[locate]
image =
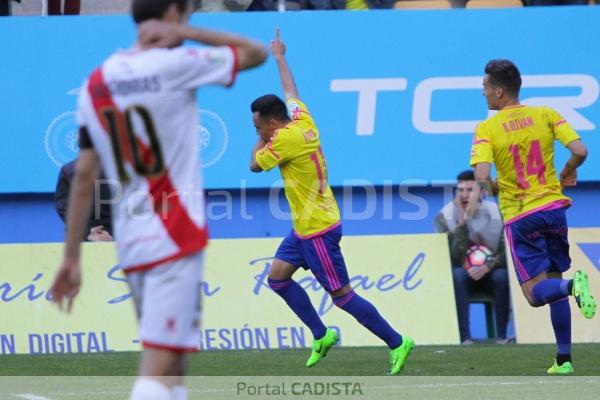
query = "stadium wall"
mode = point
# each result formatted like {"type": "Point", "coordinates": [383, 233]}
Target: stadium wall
{"type": "Point", "coordinates": [257, 213]}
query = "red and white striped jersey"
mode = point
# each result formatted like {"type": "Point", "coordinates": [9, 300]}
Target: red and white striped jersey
{"type": "Point", "coordinates": [140, 113]}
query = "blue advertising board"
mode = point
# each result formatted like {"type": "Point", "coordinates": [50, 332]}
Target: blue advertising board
{"type": "Point", "coordinates": [396, 94]}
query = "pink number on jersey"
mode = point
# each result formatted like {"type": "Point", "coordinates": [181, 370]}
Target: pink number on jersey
{"type": "Point", "coordinates": [315, 159]}
{"type": "Point", "coordinates": [535, 162]}
{"type": "Point", "coordinates": [521, 181]}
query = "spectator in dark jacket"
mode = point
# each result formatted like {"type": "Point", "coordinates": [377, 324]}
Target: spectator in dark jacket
{"type": "Point", "coordinates": [72, 7]}
{"type": "Point", "coordinates": [100, 223]}
{"type": "Point", "coordinates": [555, 2]}
{"type": "Point", "coordinates": [5, 7]}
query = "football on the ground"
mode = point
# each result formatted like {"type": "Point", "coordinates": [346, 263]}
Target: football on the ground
{"type": "Point", "coordinates": [477, 255]}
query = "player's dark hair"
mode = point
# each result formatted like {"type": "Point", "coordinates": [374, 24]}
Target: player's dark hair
{"type": "Point", "coordinates": [270, 106]}
{"type": "Point", "coordinates": [143, 10]}
{"type": "Point", "coordinates": [467, 175]}
{"type": "Point", "coordinates": [505, 74]}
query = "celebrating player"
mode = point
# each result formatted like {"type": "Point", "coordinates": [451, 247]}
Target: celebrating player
{"type": "Point", "coordinates": [138, 119]}
{"type": "Point", "coordinates": [519, 140]}
{"type": "Point", "coordinates": [293, 144]}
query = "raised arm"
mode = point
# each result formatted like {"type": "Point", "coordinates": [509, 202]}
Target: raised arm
{"type": "Point", "coordinates": [285, 74]}
{"type": "Point", "coordinates": [156, 33]}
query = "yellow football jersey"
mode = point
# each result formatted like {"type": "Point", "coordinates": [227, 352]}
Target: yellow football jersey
{"type": "Point", "coordinates": [296, 149]}
{"type": "Point", "coordinates": [519, 140]}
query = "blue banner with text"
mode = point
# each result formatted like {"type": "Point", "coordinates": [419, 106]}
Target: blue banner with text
{"type": "Point", "coordinates": [396, 95]}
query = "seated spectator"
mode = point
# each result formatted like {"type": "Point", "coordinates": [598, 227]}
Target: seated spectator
{"type": "Point", "coordinates": [297, 5]}
{"type": "Point", "coordinates": [221, 5]}
{"type": "Point", "coordinates": [71, 7]}
{"type": "Point", "coordinates": [555, 2]}
{"type": "Point", "coordinates": [5, 7]}
{"type": "Point", "coordinates": [483, 228]}
{"type": "Point", "coordinates": [100, 223]}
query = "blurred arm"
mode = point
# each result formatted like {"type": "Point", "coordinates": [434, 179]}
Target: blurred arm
{"type": "Point", "coordinates": [250, 53]}
{"type": "Point", "coordinates": [80, 201]}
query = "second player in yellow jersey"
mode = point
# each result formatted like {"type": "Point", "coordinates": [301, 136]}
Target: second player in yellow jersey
{"type": "Point", "coordinates": [520, 141]}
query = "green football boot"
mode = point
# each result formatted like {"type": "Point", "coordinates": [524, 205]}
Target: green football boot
{"type": "Point", "coordinates": [321, 347]}
{"type": "Point", "coordinates": [399, 355]}
{"type": "Point", "coordinates": [581, 292]}
{"type": "Point", "coordinates": [565, 369]}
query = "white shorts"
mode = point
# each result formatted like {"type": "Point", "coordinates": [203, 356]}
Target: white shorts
{"type": "Point", "coordinates": [168, 304]}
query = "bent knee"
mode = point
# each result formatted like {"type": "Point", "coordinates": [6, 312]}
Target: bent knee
{"type": "Point", "coordinates": [532, 302]}
{"type": "Point", "coordinates": [340, 292]}
{"type": "Point", "coordinates": [281, 270]}
{"type": "Point", "coordinates": [278, 284]}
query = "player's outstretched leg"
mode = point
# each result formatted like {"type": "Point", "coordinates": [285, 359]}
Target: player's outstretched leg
{"type": "Point", "coordinates": [368, 316]}
{"type": "Point", "coordinates": [297, 299]}
{"type": "Point", "coordinates": [321, 347]}
{"type": "Point", "coordinates": [581, 292]}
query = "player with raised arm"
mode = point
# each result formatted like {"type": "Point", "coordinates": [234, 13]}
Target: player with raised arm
{"type": "Point", "coordinates": [294, 145]}
{"type": "Point", "coordinates": [519, 140]}
{"type": "Point", "coordinates": [138, 120]}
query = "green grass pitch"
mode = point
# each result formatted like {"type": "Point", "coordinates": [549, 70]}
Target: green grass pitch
{"type": "Point", "coordinates": [484, 371]}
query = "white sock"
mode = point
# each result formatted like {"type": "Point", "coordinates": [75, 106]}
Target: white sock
{"type": "Point", "coordinates": [149, 389]}
{"type": "Point", "coordinates": [179, 393]}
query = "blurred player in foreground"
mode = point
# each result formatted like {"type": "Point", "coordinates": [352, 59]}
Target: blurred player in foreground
{"type": "Point", "coordinates": [138, 119]}
{"type": "Point", "coordinates": [293, 144]}
{"type": "Point", "coordinates": [519, 140]}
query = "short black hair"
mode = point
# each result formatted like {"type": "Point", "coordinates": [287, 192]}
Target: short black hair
{"type": "Point", "coordinates": [505, 74]}
{"type": "Point", "coordinates": [270, 106]}
{"type": "Point", "coordinates": [143, 10]}
{"type": "Point", "coordinates": [467, 175]}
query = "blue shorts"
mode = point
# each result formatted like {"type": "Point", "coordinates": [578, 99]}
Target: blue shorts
{"type": "Point", "coordinates": [321, 254]}
{"type": "Point", "coordinates": [538, 243]}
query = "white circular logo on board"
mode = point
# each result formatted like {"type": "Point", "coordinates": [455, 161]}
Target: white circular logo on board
{"type": "Point", "coordinates": [213, 138]}
{"type": "Point", "coordinates": [61, 140]}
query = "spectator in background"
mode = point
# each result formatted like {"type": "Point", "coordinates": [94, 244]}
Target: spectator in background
{"type": "Point", "coordinates": [555, 2]}
{"type": "Point", "coordinates": [483, 228]}
{"type": "Point", "coordinates": [297, 5]}
{"type": "Point", "coordinates": [100, 223]}
{"type": "Point", "coordinates": [458, 3]}
{"type": "Point", "coordinates": [5, 7]}
{"type": "Point", "coordinates": [369, 4]}
{"type": "Point", "coordinates": [221, 5]}
{"type": "Point", "coordinates": [71, 7]}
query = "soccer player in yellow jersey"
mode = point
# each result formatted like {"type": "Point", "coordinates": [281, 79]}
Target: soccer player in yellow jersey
{"type": "Point", "coordinates": [519, 140]}
{"type": "Point", "coordinates": [292, 142]}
